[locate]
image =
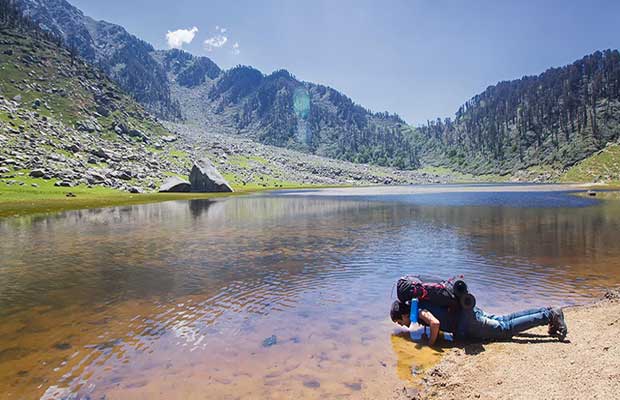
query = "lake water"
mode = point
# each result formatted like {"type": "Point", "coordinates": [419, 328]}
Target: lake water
{"type": "Point", "coordinates": [275, 295]}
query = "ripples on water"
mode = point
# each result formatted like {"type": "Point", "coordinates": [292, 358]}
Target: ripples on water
{"type": "Point", "coordinates": [171, 300]}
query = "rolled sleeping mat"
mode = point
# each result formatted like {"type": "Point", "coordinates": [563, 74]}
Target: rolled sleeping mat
{"type": "Point", "coordinates": [460, 288]}
{"type": "Point", "coordinates": [468, 301]}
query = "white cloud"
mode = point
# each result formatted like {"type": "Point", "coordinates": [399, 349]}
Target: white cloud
{"type": "Point", "coordinates": [235, 49]}
{"type": "Point", "coordinates": [215, 42]}
{"type": "Point", "coordinates": [177, 38]}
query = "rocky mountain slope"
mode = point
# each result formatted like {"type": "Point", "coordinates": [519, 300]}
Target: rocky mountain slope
{"type": "Point", "coordinates": [278, 109]}
{"type": "Point", "coordinates": [274, 109]}
{"type": "Point", "coordinates": [62, 120]}
{"type": "Point", "coordinates": [535, 126]}
{"type": "Point", "coordinates": [123, 57]}
{"type": "Point", "coordinates": [554, 119]}
{"type": "Point", "coordinates": [250, 165]}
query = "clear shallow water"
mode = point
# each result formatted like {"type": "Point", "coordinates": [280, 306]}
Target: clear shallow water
{"type": "Point", "coordinates": [181, 299]}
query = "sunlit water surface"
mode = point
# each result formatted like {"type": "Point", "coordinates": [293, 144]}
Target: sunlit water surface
{"type": "Point", "coordinates": [273, 296]}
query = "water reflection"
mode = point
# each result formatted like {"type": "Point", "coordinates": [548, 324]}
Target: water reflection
{"type": "Point", "coordinates": [176, 298]}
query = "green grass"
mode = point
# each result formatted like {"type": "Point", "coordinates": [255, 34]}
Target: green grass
{"type": "Point", "coordinates": [68, 109]}
{"type": "Point", "coordinates": [245, 161]}
{"type": "Point", "coordinates": [603, 166]}
{"type": "Point", "coordinates": [179, 154]}
{"type": "Point", "coordinates": [460, 177]}
{"type": "Point", "coordinates": [18, 200]}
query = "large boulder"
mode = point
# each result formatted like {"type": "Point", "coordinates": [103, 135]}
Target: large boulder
{"type": "Point", "coordinates": [205, 178]}
{"type": "Point", "coordinates": [175, 185]}
{"type": "Point", "coordinates": [37, 173]}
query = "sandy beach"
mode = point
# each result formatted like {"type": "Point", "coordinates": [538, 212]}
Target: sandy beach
{"type": "Point", "coordinates": [534, 365]}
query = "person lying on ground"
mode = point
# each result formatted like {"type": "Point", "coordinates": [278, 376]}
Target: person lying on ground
{"type": "Point", "coordinates": [475, 324]}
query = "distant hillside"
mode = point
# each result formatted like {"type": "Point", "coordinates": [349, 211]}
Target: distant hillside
{"type": "Point", "coordinates": [278, 109]}
{"type": "Point", "coordinates": [601, 167]}
{"type": "Point", "coordinates": [274, 109]}
{"type": "Point", "coordinates": [122, 56]}
{"type": "Point", "coordinates": [550, 121]}
{"type": "Point", "coordinates": [68, 122]}
{"type": "Point", "coordinates": [554, 119]}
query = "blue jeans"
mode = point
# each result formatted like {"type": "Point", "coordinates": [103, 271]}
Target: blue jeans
{"type": "Point", "coordinates": [476, 324]}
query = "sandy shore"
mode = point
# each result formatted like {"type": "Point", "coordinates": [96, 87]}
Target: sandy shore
{"type": "Point", "coordinates": [534, 365]}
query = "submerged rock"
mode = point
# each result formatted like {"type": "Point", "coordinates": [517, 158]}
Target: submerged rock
{"type": "Point", "coordinates": [204, 177]}
{"type": "Point", "coordinates": [312, 384]}
{"type": "Point", "coordinates": [270, 341]}
{"type": "Point", "coordinates": [62, 346]}
{"type": "Point", "coordinates": [175, 185]}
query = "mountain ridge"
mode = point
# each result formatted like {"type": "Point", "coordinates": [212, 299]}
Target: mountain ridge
{"type": "Point", "coordinates": [122, 56]}
{"type": "Point", "coordinates": [330, 124]}
{"type": "Point", "coordinates": [555, 119]}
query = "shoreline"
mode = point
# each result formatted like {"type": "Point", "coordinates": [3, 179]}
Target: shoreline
{"type": "Point", "coordinates": [32, 203]}
{"type": "Point", "coordinates": [57, 201]}
{"type": "Point", "coordinates": [534, 365]}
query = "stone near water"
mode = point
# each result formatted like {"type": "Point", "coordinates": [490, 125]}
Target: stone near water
{"type": "Point", "coordinates": [312, 384]}
{"type": "Point", "coordinates": [93, 177]}
{"type": "Point", "coordinates": [37, 173]}
{"type": "Point", "coordinates": [204, 177]}
{"type": "Point", "coordinates": [355, 386]}
{"type": "Point", "coordinates": [270, 341]}
{"type": "Point", "coordinates": [175, 185]}
{"type": "Point", "coordinates": [62, 346]}
{"type": "Point", "coordinates": [62, 184]}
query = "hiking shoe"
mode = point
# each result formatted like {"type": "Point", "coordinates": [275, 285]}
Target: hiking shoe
{"type": "Point", "coordinates": [557, 325]}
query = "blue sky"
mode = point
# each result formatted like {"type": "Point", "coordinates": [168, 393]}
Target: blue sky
{"type": "Point", "coordinates": [420, 59]}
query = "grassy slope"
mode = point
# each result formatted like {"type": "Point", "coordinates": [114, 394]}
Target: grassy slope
{"type": "Point", "coordinates": [460, 177]}
{"type": "Point", "coordinates": [603, 166]}
{"type": "Point", "coordinates": [73, 99]}
{"type": "Point", "coordinates": [18, 200]}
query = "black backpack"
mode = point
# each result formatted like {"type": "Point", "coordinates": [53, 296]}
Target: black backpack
{"type": "Point", "coordinates": [451, 293]}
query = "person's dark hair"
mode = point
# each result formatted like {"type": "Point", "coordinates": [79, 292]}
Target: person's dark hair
{"type": "Point", "coordinates": [398, 310]}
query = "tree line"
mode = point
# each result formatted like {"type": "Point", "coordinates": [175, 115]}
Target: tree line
{"type": "Point", "coordinates": [558, 117]}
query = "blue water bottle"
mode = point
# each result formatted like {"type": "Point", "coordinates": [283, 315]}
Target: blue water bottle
{"type": "Point", "coordinates": [413, 315]}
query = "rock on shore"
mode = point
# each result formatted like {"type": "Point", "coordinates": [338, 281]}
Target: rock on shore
{"type": "Point", "coordinates": [175, 185]}
{"type": "Point", "coordinates": [204, 178]}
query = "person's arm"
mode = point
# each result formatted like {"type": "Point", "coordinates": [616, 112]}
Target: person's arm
{"type": "Point", "coordinates": [432, 322]}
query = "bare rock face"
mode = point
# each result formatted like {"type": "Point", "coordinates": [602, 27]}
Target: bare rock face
{"type": "Point", "coordinates": [175, 185]}
{"type": "Point", "coordinates": [205, 178]}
